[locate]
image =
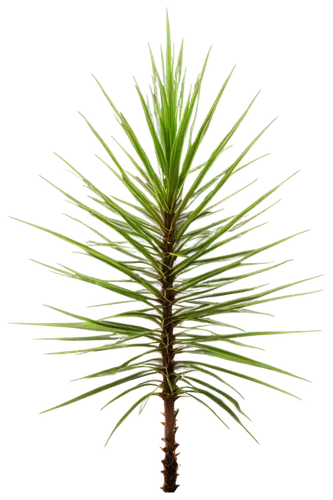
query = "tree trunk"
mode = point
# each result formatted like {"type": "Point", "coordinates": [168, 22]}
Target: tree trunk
{"type": "Point", "coordinates": [169, 388]}
{"type": "Point", "coordinates": [170, 445]}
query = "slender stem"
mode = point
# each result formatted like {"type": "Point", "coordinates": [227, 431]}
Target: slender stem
{"type": "Point", "coordinates": [169, 387]}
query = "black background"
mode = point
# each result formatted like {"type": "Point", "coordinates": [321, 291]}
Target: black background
{"type": "Point", "coordinates": [49, 73]}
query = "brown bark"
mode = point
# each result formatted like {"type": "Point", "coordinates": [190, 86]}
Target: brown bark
{"type": "Point", "coordinates": [169, 388]}
{"type": "Point", "coordinates": [170, 461]}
